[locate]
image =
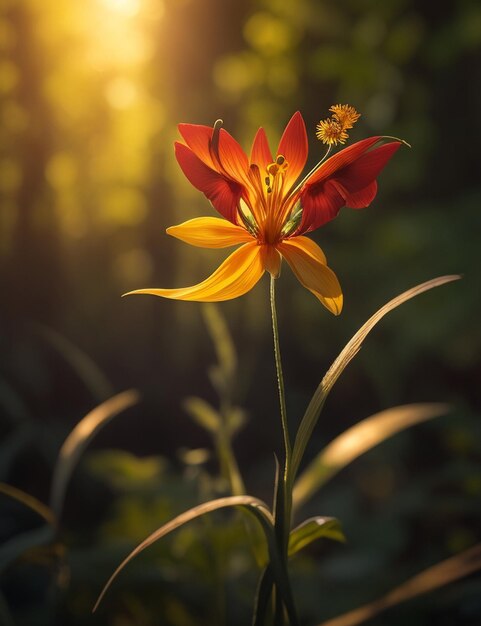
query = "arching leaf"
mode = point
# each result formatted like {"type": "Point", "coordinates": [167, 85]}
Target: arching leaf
{"type": "Point", "coordinates": [357, 440]}
{"type": "Point", "coordinates": [78, 440]}
{"type": "Point", "coordinates": [348, 353]}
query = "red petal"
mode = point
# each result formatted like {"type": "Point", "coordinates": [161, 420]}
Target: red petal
{"type": "Point", "coordinates": [223, 193]}
{"type": "Point", "coordinates": [293, 146]}
{"type": "Point", "coordinates": [198, 138]}
{"type": "Point", "coordinates": [319, 206]}
{"type": "Point", "coordinates": [261, 154]}
{"type": "Point", "coordinates": [363, 171]}
{"type": "Point", "coordinates": [342, 159]}
{"type": "Point", "coordinates": [350, 180]}
{"type": "Point", "coordinates": [362, 199]}
{"type": "Point", "coordinates": [232, 158]}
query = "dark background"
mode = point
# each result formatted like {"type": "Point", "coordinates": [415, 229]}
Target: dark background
{"type": "Point", "coordinates": [91, 93]}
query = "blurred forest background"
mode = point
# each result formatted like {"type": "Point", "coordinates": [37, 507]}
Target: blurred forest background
{"type": "Point", "coordinates": [91, 92]}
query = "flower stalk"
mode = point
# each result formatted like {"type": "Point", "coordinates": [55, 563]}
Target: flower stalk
{"type": "Point", "coordinates": [283, 491]}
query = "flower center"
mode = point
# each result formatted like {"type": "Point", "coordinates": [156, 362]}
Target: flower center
{"type": "Point", "coordinates": [279, 166]}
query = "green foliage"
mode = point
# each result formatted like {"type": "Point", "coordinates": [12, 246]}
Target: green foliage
{"type": "Point", "coordinates": [312, 529]}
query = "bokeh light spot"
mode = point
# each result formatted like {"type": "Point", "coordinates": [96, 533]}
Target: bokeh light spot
{"type": "Point", "coordinates": [268, 34]}
{"type": "Point", "coordinates": [123, 207]}
{"type": "Point", "coordinates": [121, 93]}
{"type": "Point", "coordinates": [128, 8]}
{"type": "Point", "coordinates": [237, 73]}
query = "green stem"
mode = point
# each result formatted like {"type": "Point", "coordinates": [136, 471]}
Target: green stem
{"type": "Point", "coordinates": [280, 378]}
{"type": "Point", "coordinates": [283, 492]}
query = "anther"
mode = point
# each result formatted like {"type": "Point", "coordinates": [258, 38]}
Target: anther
{"type": "Point", "coordinates": [272, 169]}
{"type": "Point", "coordinates": [280, 159]}
{"type": "Point", "coordinates": [269, 189]}
{"type": "Point", "coordinates": [267, 180]}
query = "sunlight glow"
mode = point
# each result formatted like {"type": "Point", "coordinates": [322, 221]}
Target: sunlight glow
{"type": "Point", "coordinates": [128, 8]}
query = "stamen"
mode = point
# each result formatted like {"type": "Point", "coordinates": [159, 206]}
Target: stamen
{"type": "Point", "coordinates": [272, 169]}
{"type": "Point", "coordinates": [279, 165]}
{"type": "Point", "coordinates": [247, 217]}
{"type": "Point", "coordinates": [214, 142]}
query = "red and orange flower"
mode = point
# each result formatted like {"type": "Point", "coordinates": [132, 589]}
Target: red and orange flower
{"type": "Point", "coordinates": [264, 207]}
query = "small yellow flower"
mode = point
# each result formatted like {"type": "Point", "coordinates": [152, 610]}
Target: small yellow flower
{"type": "Point", "coordinates": [331, 132]}
{"type": "Point", "coordinates": [345, 114]}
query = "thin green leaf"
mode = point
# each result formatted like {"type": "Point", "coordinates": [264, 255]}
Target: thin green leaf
{"type": "Point", "coordinates": [254, 505]}
{"type": "Point", "coordinates": [432, 578]}
{"type": "Point", "coordinates": [203, 414]}
{"type": "Point", "coordinates": [348, 353]}
{"type": "Point", "coordinates": [81, 363]}
{"type": "Point", "coordinates": [263, 595]}
{"type": "Point", "coordinates": [224, 346]}
{"type": "Point", "coordinates": [78, 440]}
{"type": "Point", "coordinates": [357, 440]}
{"type": "Point", "coordinates": [29, 501]}
{"type": "Point", "coordinates": [279, 567]}
{"type": "Point", "coordinates": [18, 545]}
{"type": "Point", "coordinates": [312, 529]}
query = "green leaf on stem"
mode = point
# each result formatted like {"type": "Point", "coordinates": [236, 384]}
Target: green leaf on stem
{"type": "Point", "coordinates": [348, 353]}
{"type": "Point", "coordinates": [312, 529]}
{"type": "Point", "coordinates": [263, 595]}
{"type": "Point", "coordinates": [78, 440]}
{"type": "Point", "coordinates": [357, 440]}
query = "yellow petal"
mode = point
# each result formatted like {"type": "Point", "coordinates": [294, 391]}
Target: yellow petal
{"type": "Point", "coordinates": [236, 276]}
{"type": "Point", "coordinates": [210, 232]}
{"type": "Point", "coordinates": [308, 263]}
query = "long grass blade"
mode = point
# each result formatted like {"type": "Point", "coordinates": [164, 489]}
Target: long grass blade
{"type": "Point", "coordinates": [347, 354]}
{"type": "Point", "coordinates": [221, 337]}
{"type": "Point", "coordinates": [18, 545]}
{"type": "Point", "coordinates": [356, 441]}
{"type": "Point", "coordinates": [430, 579]}
{"type": "Point", "coordinates": [29, 501]}
{"type": "Point", "coordinates": [81, 363]}
{"type": "Point", "coordinates": [78, 440]}
{"type": "Point", "coordinates": [253, 505]}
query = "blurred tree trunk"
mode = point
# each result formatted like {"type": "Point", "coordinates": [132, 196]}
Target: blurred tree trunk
{"type": "Point", "coordinates": [34, 270]}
